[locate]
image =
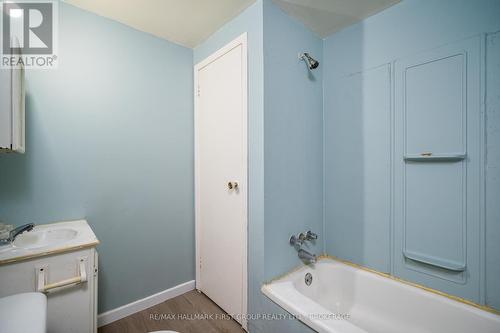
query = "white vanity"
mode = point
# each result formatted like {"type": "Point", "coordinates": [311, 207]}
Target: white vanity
{"type": "Point", "coordinates": [60, 260]}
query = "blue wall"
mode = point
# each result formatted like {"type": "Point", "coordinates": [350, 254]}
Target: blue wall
{"type": "Point", "coordinates": [375, 41]}
{"type": "Point", "coordinates": [493, 170]}
{"type": "Point", "coordinates": [293, 144]}
{"type": "Point", "coordinates": [357, 167]}
{"type": "Point", "coordinates": [110, 139]}
{"type": "Point", "coordinates": [350, 163]}
{"type": "Point", "coordinates": [293, 139]}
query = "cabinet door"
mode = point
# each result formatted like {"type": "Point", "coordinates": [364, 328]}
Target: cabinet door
{"type": "Point", "coordinates": [5, 109]}
{"type": "Point", "coordinates": [70, 309]}
{"type": "Point", "coordinates": [438, 163]}
{"type": "Point", "coordinates": [12, 110]}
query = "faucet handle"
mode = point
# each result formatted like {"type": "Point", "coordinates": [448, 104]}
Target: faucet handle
{"type": "Point", "coordinates": [311, 235]}
{"type": "Point", "coordinates": [19, 230]}
{"type": "Point", "coordinates": [296, 241]}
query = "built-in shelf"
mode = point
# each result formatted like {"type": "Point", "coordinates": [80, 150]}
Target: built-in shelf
{"type": "Point", "coordinates": [437, 262]}
{"type": "Point", "coordinates": [429, 157]}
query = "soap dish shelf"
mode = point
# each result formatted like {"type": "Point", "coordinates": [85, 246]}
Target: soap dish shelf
{"type": "Point", "coordinates": [436, 262]}
{"type": "Point", "coordinates": [430, 157]}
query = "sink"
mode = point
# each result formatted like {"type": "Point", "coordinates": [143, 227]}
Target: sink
{"type": "Point", "coordinates": [49, 238]}
{"type": "Point", "coordinates": [44, 238]}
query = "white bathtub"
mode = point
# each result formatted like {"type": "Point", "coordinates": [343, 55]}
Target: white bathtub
{"type": "Point", "coordinates": [346, 299]}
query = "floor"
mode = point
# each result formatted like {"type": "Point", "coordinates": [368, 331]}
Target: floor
{"type": "Point", "coordinates": [192, 312]}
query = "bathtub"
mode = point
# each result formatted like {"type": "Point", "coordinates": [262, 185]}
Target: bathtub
{"type": "Point", "coordinates": [342, 298]}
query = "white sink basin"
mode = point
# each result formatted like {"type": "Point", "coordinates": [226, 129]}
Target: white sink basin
{"type": "Point", "coordinates": [47, 238]}
{"type": "Point", "coordinates": [44, 238]}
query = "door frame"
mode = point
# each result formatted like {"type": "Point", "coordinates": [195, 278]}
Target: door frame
{"type": "Point", "coordinates": [239, 41]}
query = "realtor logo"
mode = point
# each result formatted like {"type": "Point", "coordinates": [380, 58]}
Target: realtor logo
{"type": "Point", "coordinates": [29, 36]}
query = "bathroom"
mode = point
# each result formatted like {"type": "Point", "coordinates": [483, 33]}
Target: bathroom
{"type": "Point", "coordinates": [348, 182]}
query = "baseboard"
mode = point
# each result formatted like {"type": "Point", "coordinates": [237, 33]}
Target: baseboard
{"type": "Point", "coordinates": [126, 310]}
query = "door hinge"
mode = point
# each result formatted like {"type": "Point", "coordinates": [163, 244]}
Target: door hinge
{"type": "Point", "coordinates": [198, 91]}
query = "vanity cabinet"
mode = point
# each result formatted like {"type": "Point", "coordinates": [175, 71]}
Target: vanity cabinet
{"type": "Point", "coordinates": [67, 274]}
{"type": "Point", "coordinates": [71, 308]}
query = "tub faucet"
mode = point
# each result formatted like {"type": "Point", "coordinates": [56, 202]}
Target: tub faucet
{"type": "Point", "coordinates": [16, 232]}
{"type": "Point", "coordinates": [298, 240]}
{"type": "Point", "coordinates": [304, 255]}
{"type": "Point", "coordinates": [311, 235]}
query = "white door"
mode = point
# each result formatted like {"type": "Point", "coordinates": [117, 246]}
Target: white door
{"type": "Point", "coordinates": [221, 177]}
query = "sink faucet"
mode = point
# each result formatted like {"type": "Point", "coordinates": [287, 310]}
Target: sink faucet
{"type": "Point", "coordinates": [16, 232]}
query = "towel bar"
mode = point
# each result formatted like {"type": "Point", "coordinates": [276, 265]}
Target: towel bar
{"type": "Point", "coordinates": [41, 278]}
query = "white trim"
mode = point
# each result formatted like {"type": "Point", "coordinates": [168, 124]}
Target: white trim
{"type": "Point", "coordinates": [239, 41]}
{"type": "Point", "coordinates": [128, 309]}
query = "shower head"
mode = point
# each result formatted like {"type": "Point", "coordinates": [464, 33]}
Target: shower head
{"type": "Point", "coordinates": [311, 62]}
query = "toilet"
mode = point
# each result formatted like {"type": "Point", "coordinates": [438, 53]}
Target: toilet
{"type": "Point", "coordinates": [22, 313]}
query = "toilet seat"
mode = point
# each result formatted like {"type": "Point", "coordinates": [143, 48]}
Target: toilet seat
{"type": "Point", "coordinates": [23, 313]}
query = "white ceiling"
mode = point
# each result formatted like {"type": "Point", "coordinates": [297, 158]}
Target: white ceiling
{"type": "Point", "coordinates": [185, 22]}
{"type": "Point", "coordinates": [190, 22]}
{"type": "Point", "coordinates": [328, 16]}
